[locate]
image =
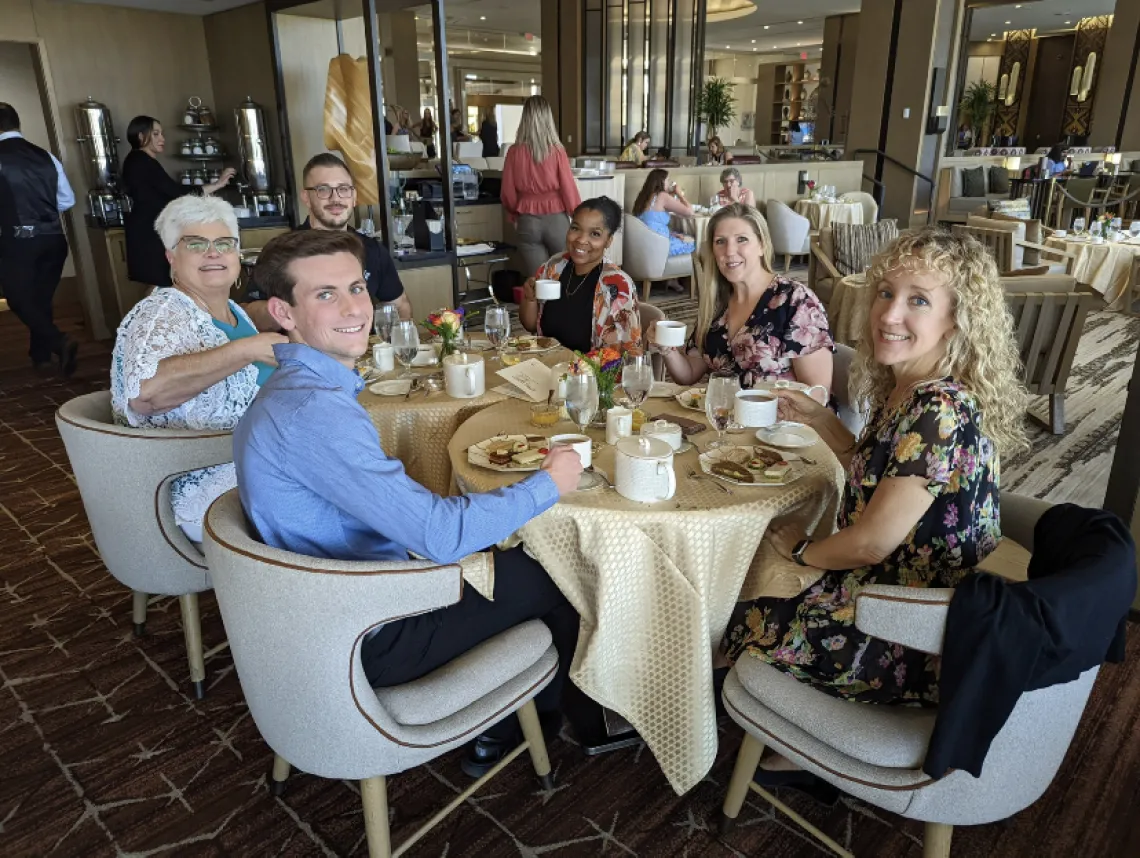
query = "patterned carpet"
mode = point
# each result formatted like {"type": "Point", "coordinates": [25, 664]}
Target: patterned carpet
{"type": "Point", "coordinates": [105, 753]}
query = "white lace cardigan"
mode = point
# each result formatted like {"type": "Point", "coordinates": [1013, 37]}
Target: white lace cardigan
{"type": "Point", "coordinates": [165, 324]}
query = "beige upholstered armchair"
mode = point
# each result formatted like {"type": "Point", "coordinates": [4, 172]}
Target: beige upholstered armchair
{"type": "Point", "coordinates": [790, 232]}
{"type": "Point", "coordinates": [124, 478]}
{"type": "Point", "coordinates": [649, 315]}
{"type": "Point", "coordinates": [645, 257]}
{"type": "Point", "coordinates": [296, 625]}
{"type": "Point", "coordinates": [876, 753]}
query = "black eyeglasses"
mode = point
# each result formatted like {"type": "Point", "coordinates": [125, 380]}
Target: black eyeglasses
{"type": "Point", "coordinates": [325, 192]}
{"type": "Point", "coordinates": [199, 245]}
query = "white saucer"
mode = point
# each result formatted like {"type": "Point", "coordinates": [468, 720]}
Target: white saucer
{"type": "Point", "coordinates": [392, 387]}
{"type": "Point", "coordinates": [788, 435]}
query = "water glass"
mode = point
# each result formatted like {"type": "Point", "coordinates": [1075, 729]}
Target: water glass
{"type": "Point", "coordinates": [383, 318]}
{"type": "Point", "coordinates": [406, 342]}
{"type": "Point", "coordinates": [637, 377]}
{"type": "Point", "coordinates": [582, 399]}
{"type": "Point", "coordinates": [497, 327]}
{"type": "Point", "coordinates": [1079, 226]}
{"type": "Point", "coordinates": [1134, 229]}
{"type": "Point", "coordinates": [720, 403]}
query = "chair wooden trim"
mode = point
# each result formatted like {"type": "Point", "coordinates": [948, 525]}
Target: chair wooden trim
{"type": "Point", "coordinates": [1047, 328]}
{"type": "Point", "coordinates": [1001, 242]}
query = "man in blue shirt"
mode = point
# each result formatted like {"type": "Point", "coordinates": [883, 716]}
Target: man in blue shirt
{"type": "Point", "coordinates": [314, 480]}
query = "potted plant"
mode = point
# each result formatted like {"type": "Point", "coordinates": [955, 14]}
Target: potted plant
{"type": "Point", "coordinates": [716, 105]}
{"type": "Point", "coordinates": [977, 106]}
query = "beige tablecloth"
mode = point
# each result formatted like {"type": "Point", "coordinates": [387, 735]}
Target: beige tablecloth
{"type": "Point", "coordinates": [655, 584]}
{"type": "Point", "coordinates": [823, 215]}
{"type": "Point", "coordinates": [1105, 267]}
{"type": "Point", "coordinates": [416, 430]}
{"type": "Point", "coordinates": [845, 310]}
{"type": "Point", "coordinates": [696, 226]}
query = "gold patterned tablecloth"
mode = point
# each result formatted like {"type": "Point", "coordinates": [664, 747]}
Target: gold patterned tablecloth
{"type": "Point", "coordinates": [845, 310]}
{"type": "Point", "coordinates": [416, 430]}
{"type": "Point", "coordinates": [696, 226]}
{"type": "Point", "coordinates": [655, 584]}
{"type": "Point", "coordinates": [1105, 267]}
{"type": "Point", "coordinates": [823, 215]}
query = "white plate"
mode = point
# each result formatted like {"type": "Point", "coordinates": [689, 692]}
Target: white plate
{"type": "Point", "coordinates": [536, 350]}
{"type": "Point", "coordinates": [740, 454]}
{"type": "Point", "coordinates": [392, 387]}
{"type": "Point", "coordinates": [480, 345]}
{"type": "Point", "coordinates": [476, 455]}
{"type": "Point", "coordinates": [788, 435]}
{"type": "Point", "coordinates": [684, 400]}
{"type": "Point", "coordinates": [664, 390]}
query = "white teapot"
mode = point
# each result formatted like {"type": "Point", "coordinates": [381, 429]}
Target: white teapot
{"type": "Point", "coordinates": [644, 469]}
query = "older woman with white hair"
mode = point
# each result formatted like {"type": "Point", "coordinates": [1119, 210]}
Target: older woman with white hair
{"type": "Point", "coordinates": [187, 357]}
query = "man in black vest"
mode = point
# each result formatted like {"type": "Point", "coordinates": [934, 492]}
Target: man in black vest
{"type": "Point", "coordinates": [33, 191]}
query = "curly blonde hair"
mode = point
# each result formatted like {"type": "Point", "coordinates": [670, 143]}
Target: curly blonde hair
{"type": "Point", "coordinates": [713, 291]}
{"type": "Point", "coordinates": [981, 355]}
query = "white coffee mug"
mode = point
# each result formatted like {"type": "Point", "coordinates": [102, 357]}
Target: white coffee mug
{"type": "Point", "coordinates": [668, 432]}
{"type": "Point", "coordinates": [547, 290]}
{"type": "Point", "coordinates": [756, 408]}
{"type": "Point", "coordinates": [384, 357]}
{"type": "Point", "coordinates": [816, 391]}
{"type": "Point", "coordinates": [671, 334]}
{"type": "Point", "coordinates": [643, 469]}
{"type": "Point", "coordinates": [581, 443]}
{"type": "Point", "coordinates": [463, 376]}
{"type": "Point", "coordinates": [619, 424]}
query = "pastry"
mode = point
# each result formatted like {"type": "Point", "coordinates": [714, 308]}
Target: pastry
{"type": "Point", "coordinates": [731, 470]}
{"type": "Point", "coordinates": [525, 344]}
{"type": "Point", "coordinates": [763, 459]}
{"type": "Point", "coordinates": [528, 457]}
{"type": "Point", "coordinates": [546, 342]}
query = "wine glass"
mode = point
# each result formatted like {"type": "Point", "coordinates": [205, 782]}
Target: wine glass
{"type": "Point", "coordinates": [637, 377]}
{"type": "Point", "coordinates": [383, 318]}
{"type": "Point", "coordinates": [406, 342]}
{"type": "Point", "coordinates": [497, 327]}
{"type": "Point", "coordinates": [720, 403]}
{"type": "Point", "coordinates": [582, 399]}
{"type": "Point", "coordinates": [1079, 226]}
{"type": "Point", "coordinates": [1134, 229]}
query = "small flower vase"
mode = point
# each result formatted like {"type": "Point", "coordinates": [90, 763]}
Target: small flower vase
{"type": "Point", "coordinates": [448, 347]}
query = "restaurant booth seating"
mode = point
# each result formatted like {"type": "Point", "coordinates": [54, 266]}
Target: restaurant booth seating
{"type": "Point", "coordinates": [876, 753]}
{"type": "Point", "coordinates": [124, 476]}
{"type": "Point", "coordinates": [296, 625]}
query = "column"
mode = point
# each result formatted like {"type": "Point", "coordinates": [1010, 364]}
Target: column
{"type": "Point", "coordinates": [400, 61]}
{"type": "Point", "coordinates": [837, 74]}
{"type": "Point", "coordinates": [561, 68]}
{"type": "Point", "coordinates": [905, 57]}
{"type": "Point", "coordinates": [1116, 115]}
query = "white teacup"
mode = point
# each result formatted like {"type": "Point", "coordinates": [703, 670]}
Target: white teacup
{"type": "Point", "coordinates": [756, 408]}
{"type": "Point", "coordinates": [463, 375]}
{"type": "Point", "coordinates": [581, 443]}
{"type": "Point", "coordinates": [547, 290]}
{"type": "Point", "coordinates": [384, 357]}
{"type": "Point", "coordinates": [671, 334]}
{"type": "Point", "coordinates": [1060, 233]}
{"type": "Point", "coordinates": [619, 424]}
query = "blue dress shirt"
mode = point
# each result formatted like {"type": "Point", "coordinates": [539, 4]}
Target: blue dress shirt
{"type": "Point", "coordinates": [314, 480]}
{"type": "Point", "coordinates": [64, 196]}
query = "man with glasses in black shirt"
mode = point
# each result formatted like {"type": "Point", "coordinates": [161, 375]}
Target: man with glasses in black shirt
{"type": "Point", "coordinates": [329, 194]}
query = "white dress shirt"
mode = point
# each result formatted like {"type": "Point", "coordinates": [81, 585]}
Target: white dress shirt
{"type": "Point", "coordinates": [64, 196]}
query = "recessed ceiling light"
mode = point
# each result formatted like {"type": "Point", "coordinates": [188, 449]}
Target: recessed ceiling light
{"type": "Point", "coordinates": [532, 80]}
{"type": "Point", "coordinates": [1009, 22]}
{"type": "Point", "coordinates": [754, 41]}
{"type": "Point", "coordinates": [1068, 22]}
{"type": "Point", "coordinates": [993, 35]}
{"type": "Point", "coordinates": [482, 17]}
{"type": "Point", "coordinates": [799, 22]}
{"type": "Point", "coordinates": [755, 49]}
{"type": "Point", "coordinates": [765, 26]}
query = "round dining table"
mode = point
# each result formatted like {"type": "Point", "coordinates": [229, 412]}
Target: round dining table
{"type": "Point", "coordinates": [656, 583]}
{"type": "Point", "coordinates": [1105, 267]}
{"type": "Point", "coordinates": [845, 311]}
{"type": "Point", "coordinates": [824, 214]}
{"type": "Point", "coordinates": [416, 428]}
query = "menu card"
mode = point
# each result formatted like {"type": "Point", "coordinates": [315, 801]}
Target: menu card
{"type": "Point", "coordinates": [529, 381]}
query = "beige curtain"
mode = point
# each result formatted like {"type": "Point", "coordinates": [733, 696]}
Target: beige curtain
{"type": "Point", "coordinates": [348, 123]}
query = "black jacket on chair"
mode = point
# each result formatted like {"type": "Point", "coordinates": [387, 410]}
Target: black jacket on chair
{"type": "Point", "coordinates": [1004, 638]}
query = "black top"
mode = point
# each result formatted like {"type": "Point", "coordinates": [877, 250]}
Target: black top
{"type": "Point", "coordinates": [28, 183]}
{"type": "Point", "coordinates": [150, 188]}
{"type": "Point", "coordinates": [379, 272]}
{"type": "Point", "coordinates": [570, 319]}
{"type": "Point", "coordinates": [1004, 638]}
{"type": "Point", "coordinates": [489, 134]}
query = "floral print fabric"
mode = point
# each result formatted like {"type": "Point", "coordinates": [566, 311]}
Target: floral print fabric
{"type": "Point", "coordinates": [788, 322]}
{"type": "Point", "coordinates": [616, 317]}
{"type": "Point", "coordinates": [936, 434]}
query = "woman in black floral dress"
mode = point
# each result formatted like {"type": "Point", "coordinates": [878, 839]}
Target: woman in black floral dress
{"type": "Point", "coordinates": [761, 325]}
{"type": "Point", "coordinates": [940, 371]}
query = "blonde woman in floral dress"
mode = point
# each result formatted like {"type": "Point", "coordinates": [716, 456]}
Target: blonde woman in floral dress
{"type": "Point", "coordinates": [939, 369]}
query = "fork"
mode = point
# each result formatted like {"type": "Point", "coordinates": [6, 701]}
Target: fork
{"type": "Point", "coordinates": [693, 475]}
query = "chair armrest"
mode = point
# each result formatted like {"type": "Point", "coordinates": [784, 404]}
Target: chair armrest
{"type": "Point", "coordinates": [912, 616]}
{"type": "Point", "coordinates": [1019, 515]}
{"type": "Point", "coordinates": [818, 253]}
{"type": "Point", "coordinates": [1052, 251]}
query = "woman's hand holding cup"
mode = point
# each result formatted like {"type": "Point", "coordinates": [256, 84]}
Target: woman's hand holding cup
{"type": "Point", "coordinates": [797, 407]}
{"type": "Point", "coordinates": [528, 290]}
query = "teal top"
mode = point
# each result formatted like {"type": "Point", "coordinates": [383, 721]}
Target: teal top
{"type": "Point", "coordinates": [240, 331]}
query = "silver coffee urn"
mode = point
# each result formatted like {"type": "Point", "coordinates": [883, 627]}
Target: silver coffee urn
{"type": "Point", "coordinates": [97, 140]}
{"type": "Point", "coordinates": [253, 146]}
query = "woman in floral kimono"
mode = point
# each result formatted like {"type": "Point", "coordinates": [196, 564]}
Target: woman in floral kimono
{"type": "Point", "coordinates": [597, 305]}
{"type": "Point", "coordinates": [750, 320]}
{"type": "Point", "coordinates": [939, 369]}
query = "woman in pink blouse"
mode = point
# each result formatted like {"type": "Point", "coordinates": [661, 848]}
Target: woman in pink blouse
{"type": "Point", "coordinates": [538, 191]}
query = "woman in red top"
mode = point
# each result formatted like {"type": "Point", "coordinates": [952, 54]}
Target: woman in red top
{"type": "Point", "coordinates": [538, 191]}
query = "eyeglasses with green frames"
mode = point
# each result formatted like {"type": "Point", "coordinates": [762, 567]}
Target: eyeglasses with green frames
{"type": "Point", "coordinates": [199, 245]}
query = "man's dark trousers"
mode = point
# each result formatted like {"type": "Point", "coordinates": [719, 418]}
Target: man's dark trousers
{"type": "Point", "coordinates": [30, 269]}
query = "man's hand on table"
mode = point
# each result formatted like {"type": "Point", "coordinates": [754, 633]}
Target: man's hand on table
{"type": "Point", "coordinates": [565, 467]}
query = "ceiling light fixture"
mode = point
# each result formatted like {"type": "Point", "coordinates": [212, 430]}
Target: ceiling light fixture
{"type": "Point", "coordinates": [482, 17]}
{"type": "Point", "coordinates": [754, 41]}
{"type": "Point", "coordinates": [1008, 23]}
{"type": "Point", "coordinates": [765, 26]}
{"type": "Point", "coordinates": [799, 22]}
